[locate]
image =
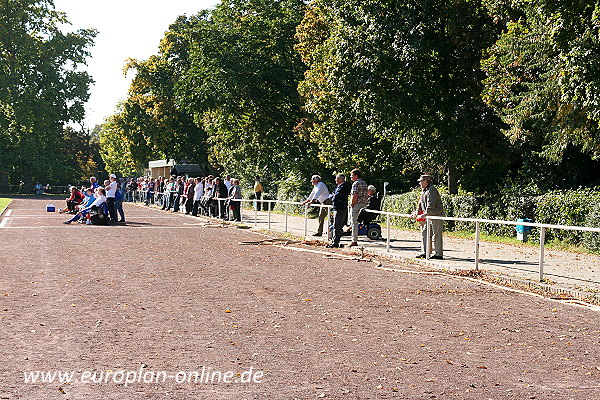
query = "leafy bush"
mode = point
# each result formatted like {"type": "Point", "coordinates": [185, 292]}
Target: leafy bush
{"type": "Point", "coordinates": [574, 207]}
{"type": "Point", "coordinates": [404, 203]}
{"type": "Point", "coordinates": [565, 208]}
{"type": "Point", "coordinates": [591, 240]}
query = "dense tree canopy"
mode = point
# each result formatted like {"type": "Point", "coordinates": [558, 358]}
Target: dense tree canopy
{"type": "Point", "coordinates": [482, 93]}
{"type": "Point", "coordinates": [397, 84]}
{"type": "Point", "coordinates": [41, 90]}
{"type": "Point", "coordinates": [543, 74]}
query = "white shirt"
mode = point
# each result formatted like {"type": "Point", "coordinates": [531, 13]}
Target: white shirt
{"type": "Point", "coordinates": [111, 190]}
{"type": "Point", "coordinates": [319, 192]}
{"type": "Point", "coordinates": [198, 191]}
{"type": "Point", "coordinates": [208, 190]}
{"type": "Point", "coordinates": [97, 203]}
{"type": "Point", "coordinates": [228, 185]}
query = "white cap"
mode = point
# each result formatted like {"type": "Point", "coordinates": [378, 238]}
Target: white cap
{"type": "Point", "coordinates": [113, 176]}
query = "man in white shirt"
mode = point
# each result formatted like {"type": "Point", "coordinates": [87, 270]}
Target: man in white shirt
{"type": "Point", "coordinates": [319, 195]}
{"type": "Point", "coordinates": [111, 191]}
{"type": "Point", "coordinates": [198, 193]}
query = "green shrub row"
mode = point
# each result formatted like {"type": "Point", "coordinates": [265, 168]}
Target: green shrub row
{"type": "Point", "coordinates": [575, 207]}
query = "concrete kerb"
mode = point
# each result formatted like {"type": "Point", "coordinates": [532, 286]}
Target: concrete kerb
{"type": "Point", "coordinates": [423, 265]}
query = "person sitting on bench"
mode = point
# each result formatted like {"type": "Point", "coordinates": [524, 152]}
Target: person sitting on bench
{"type": "Point", "coordinates": [100, 199]}
{"type": "Point", "coordinates": [73, 201]}
{"type": "Point", "coordinates": [374, 203]}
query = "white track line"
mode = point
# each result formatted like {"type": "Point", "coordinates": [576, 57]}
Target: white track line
{"type": "Point", "coordinates": [4, 222]}
{"type": "Point", "coordinates": [66, 215]}
{"type": "Point", "coordinates": [103, 226]}
{"type": "Point", "coordinates": [7, 214]}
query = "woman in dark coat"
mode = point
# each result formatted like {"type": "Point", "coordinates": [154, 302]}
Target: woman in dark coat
{"type": "Point", "coordinates": [374, 203]}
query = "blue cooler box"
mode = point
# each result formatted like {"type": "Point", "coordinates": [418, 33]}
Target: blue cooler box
{"type": "Point", "coordinates": [50, 207]}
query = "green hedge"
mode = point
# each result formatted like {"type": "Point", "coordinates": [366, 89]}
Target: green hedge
{"type": "Point", "coordinates": [575, 207]}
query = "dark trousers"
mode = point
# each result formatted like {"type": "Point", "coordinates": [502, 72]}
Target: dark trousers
{"type": "Point", "coordinates": [195, 207]}
{"type": "Point", "coordinates": [119, 209]}
{"type": "Point", "coordinates": [71, 205]}
{"type": "Point", "coordinates": [339, 220]}
{"type": "Point", "coordinates": [112, 211]}
{"type": "Point", "coordinates": [258, 196]}
{"type": "Point", "coordinates": [149, 197]}
{"type": "Point", "coordinates": [189, 205]}
{"type": "Point", "coordinates": [175, 202]}
{"type": "Point", "coordinates": [221, 209]}
{"type": "Point", "coordinates": [235, 207]}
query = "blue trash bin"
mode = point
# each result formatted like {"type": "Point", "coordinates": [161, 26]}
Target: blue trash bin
{"type": "Point", "coordinates": [523, 231]}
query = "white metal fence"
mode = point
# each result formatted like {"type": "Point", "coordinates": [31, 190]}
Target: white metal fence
{"type": "Point", "coordinates": [388, 215]}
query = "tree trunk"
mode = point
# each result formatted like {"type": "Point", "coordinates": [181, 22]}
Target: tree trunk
{"type": "Point", "coordinates": [4, 182]}
{"type": "Point", "coordinates": [452, 179]}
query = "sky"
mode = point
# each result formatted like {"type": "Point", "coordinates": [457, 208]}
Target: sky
{"type": "Point", "coordinates": [126, 29]}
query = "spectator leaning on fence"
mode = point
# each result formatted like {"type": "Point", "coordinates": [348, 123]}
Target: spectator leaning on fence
{"type": "Point", "coordinates": [360, 198]}
{"type": "Point", "coordinates": [339, 198]}
{"type": "Point", "coordinates": [430, 204]}
{"type": "Point", "coordinates": [319, 195]}
{"type": "Point", "coordinates": [219, 192]}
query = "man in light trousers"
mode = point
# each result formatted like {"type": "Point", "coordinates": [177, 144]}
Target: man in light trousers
{"type": "Point", "coordinates": [319, 195]}
{"type": "Point", "coordinates": [360, 198]}
{"type": "Point", "coordinates": [430, 204]}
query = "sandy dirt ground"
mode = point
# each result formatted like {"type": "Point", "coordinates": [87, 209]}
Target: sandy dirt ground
{"type": "Point", "coordinates": [166, 293]}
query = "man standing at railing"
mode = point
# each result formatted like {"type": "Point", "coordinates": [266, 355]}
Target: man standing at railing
{"type": "Point", "coordinates": [258, 191]}
{"type": "Point", "coordinates": [430, 204]}
{"type": "Point", "coordinates": [360, 198]}
{"type": "Point", "coordinates": [111, 192]}
{"type": "Point", "coordinates": [319, 194]}
{"type": "Point", "coordinates": [339, 198]}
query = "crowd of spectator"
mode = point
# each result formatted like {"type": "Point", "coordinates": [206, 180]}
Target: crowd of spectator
{"type": "Point", "coordinates": [207, 196]}
{"type": "Point", "coordinates": [216, 196]}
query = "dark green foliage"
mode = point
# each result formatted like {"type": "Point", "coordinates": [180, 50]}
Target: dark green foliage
{"type": "Point", "coordinates": [591, 240]}
{"type": "Point", "coordinates": [41, 90]}
{"type": "Point", "coordinates": [573, 208]}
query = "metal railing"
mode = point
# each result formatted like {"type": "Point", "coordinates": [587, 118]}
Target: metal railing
{"type": "Point", "coordinates": [388, 215]}
{"type": "Point", "coordinates": [428, 219]}
{"type": "Point", "coordinates": [22, 189]}
{"type": "Point", "coordinates": [478, 222]}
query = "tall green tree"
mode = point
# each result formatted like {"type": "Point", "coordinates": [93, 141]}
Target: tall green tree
{"type": "Point", "coordinates": [241, 86]}
{"type": "Point", "coordinates": [41, 88]}
{"type": "Point", "coordinates": [148, 124]}
{"type": "Point", "coordinates": [543, 75]}
{"type": "Point", "coordinates": [394, 86]}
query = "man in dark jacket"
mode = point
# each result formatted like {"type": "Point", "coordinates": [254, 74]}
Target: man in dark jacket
{"type": "Point", "coordinates": [220, 192]}
{"type": "Point", "coordinates": [339, 198]}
